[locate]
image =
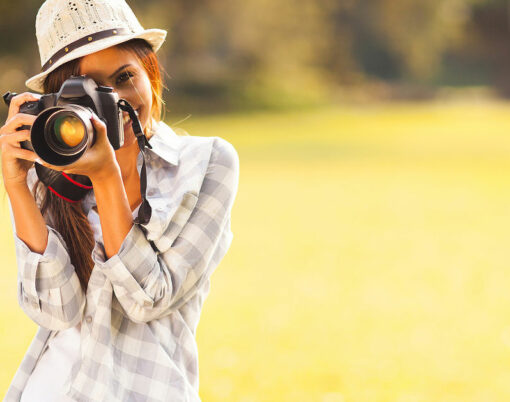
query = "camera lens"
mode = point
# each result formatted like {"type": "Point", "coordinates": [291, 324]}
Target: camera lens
{"type": "Point", "coordinates": [68, 130]}
{"type": "Point", "coordinates": [61, 134]}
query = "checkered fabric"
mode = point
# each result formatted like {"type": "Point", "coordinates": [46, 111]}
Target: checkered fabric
{"type": "Point", "coordinates": [142, 306]}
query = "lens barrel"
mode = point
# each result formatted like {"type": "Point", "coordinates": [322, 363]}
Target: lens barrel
{"type": "Point", "coordinates": [61, 134]}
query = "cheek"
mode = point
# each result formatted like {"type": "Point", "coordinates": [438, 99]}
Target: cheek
{"type": "Point", "coordinates": [146, 93]}
{"type": "Point", "coordinates": [139, 93]}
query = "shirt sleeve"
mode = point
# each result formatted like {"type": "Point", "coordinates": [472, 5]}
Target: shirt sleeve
{"type": "Point", "coordinates": [49, 290]}
{"type": "Point", "coordinates": [150, 284]}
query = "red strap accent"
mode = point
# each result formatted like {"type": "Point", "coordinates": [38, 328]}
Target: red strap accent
{"type": "Point", "coordinates": [76, 183]}
{"type": "Point", "coordinates": [61, 196]}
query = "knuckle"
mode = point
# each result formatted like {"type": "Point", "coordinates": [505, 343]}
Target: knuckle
{"type": "Point", "coordinates": [13, 119]}
{"type": "Point", "coordinates": [17, 97]}
{"type": "Point", "coordinates": [24, 95]}
{"type": "Point", "coordinates": [5, 137]}
{"type": "Point", "coordinates": [21, 118]}
{"type": "Point", "coordinates": [26, 117]}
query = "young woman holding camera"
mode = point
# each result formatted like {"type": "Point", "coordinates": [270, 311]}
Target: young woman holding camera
{"type": "Point", "coordinates": [117, 299]}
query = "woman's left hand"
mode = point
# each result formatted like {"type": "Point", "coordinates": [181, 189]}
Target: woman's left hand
{"type": "Point", "coordinates": [98, 161]}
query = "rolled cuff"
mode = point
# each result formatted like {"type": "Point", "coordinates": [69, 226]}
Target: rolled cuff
{"type": "Point", "coordinates": [45, 271]}
{"type": "Point", "coordinates": [130, 267]}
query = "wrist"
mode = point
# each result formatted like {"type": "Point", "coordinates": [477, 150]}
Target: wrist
{"type": "Point", "coordinates": [16, 186]}
{"type": "Point", "coordinates": [107, 174]}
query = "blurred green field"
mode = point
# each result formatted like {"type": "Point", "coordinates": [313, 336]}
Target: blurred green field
{"type": "Point", "coordinates": [369, 261]}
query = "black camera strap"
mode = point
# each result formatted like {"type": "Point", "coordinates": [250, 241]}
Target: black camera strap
{"type": "Point", "coordinates": [145, 210]}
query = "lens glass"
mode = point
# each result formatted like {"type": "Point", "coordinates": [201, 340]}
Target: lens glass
{"type": "Point", "coordinates": [68, 130]}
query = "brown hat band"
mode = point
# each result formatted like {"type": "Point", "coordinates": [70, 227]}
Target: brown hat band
{"type": "Point", "coordinates": [83, 41]}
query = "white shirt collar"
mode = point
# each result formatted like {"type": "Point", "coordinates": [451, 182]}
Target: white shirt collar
{"type": "Point", "coordinates": [165, 143]}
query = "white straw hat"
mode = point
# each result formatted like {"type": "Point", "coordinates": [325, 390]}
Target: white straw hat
{"type": "Point", "coordinates": [69, 29]}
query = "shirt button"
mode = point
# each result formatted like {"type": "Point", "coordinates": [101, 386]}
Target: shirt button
{"type": "Point", "coordinates": [35, 305]}
{"type": "Point", "coordinates": [88, 319]}
{"type": "Point", "coordinates": [147, 303]}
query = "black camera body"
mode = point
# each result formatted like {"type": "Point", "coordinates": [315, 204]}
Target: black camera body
{"type": "Point", "coordinates": [63, 131]}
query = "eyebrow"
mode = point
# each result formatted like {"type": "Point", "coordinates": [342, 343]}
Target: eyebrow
{"type": "Point", "coordinates": [119, 69]}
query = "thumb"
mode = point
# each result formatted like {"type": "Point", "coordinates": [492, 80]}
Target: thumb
{"type": "Point", "coordinates": [99, 126]}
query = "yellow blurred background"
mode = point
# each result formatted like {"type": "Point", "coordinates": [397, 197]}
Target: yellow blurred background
{"type": "Point", "coordinates": [369, 260]}
{"type": "Point", "coordinates": [371, 225]}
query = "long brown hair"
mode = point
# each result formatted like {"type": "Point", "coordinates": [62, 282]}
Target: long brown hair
{"type": "Point", "coordinates": [68, 218]}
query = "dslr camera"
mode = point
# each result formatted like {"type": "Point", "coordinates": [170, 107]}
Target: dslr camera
{"type": "Point", "coordinates": [63, 131]}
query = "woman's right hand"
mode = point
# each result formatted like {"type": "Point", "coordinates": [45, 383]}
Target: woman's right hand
{"type": "Point", "coordinates": [16, 161]}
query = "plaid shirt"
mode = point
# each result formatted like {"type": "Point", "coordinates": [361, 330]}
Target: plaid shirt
{"type": "Point", "coordinates": [142, 306]}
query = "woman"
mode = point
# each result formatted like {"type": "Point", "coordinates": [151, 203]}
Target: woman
{"type": "Point", "coordinates": [117, 302]}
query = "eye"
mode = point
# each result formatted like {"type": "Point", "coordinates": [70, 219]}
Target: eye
{"type": "Point", "coordinates": [123, 77]}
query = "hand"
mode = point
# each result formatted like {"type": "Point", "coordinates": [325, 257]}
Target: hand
{"type": "Point", "coordinates": [97, 162]}
{"type": "Point", "coordinates": [16, 161]}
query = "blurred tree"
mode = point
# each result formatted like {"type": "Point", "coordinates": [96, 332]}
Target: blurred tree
{"type": "Point", "coordinates": [487, 43]}
{"type": "Point", "coordinates": [18, 48]}
{"type": "Point", "coordinates": [405, 40]}
{"type": "Point", "coordinates": [229, 53]}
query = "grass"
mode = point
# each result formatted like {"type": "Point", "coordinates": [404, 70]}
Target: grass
{"type": "Point", "coordinates": [369, 260]}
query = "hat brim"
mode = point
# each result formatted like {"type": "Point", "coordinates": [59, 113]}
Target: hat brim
{"type": "Point", "coordinates": [155, 37]}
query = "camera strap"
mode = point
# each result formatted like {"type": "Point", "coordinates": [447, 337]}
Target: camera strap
{"type": "Point", "coordinates": [145, 210]}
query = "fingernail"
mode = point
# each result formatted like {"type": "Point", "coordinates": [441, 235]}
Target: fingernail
{"type": "Point", "coordinates": [39, 161]}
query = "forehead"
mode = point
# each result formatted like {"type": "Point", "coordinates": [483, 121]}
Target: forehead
{"type": "Point", "coordinates": [107, 61]}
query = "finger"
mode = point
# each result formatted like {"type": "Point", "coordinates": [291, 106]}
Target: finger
{"type": "Point", "coordinates": [15, 138]}
{"type": "Point", "coordinates": [18, 120]}
{"type": "Point", "coordinates": [19, 153]}
{"type": "Point", "coordinates": [18, 100]}
{"type": "Point", "coordinates": [49, 165]}
{"type": "Point", "coordinates": [99, 126]}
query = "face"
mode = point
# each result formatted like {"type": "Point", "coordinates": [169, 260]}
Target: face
{"type": "Point", "coordinates": [121, 70]}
